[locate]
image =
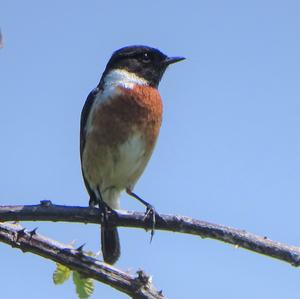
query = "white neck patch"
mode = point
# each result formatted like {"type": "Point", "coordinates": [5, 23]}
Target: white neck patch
{"type": "Point", "coordinates": [114, 79]}
{"type": "Point", "coordinates": [122, 78]}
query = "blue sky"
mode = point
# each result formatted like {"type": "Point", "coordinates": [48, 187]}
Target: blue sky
{"type": "Point", "coordinates": [228, 151]}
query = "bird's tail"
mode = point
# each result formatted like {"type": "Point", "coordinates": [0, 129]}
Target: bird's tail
{"type": "Point", "coordinates": [110, 244]}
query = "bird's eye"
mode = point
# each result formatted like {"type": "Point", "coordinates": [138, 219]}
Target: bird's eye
{"type": "Point", "coordinates": [146, 57]}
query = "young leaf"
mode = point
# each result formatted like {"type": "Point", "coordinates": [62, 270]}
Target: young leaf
{"type": "Point", "coordinates": [84, 286]}
{"type": "Point", "coordinates": [61, 274]}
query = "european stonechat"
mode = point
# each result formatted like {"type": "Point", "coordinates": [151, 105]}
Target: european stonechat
{"type": "Point", "coordinates": [120, 123]}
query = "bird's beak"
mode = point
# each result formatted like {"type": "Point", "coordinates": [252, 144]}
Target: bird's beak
{"type": "Point", "coordinates": [170, 60]}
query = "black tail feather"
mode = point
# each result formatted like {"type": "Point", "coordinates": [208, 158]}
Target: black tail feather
{"type": "Point", "coordinates": [110, 244]}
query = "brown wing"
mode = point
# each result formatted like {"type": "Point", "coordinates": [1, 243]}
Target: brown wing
{"type": "Point", "coordinates": [84, 116]}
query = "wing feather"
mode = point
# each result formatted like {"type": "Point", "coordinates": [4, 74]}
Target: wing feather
{"type": "Point", "coordinates": [84, 116]}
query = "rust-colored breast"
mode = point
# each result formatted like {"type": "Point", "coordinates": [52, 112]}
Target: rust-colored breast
{"type": "Point", "coordinates": [130, 110]}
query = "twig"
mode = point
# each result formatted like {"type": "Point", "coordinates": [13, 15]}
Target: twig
{"type": "Point", "coordinates": [47, 211]}
{"type": "Point", "coordinates": [136, 287]}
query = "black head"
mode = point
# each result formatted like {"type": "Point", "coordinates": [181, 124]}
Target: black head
{"type": "Point", "coordinates": [146, 62]}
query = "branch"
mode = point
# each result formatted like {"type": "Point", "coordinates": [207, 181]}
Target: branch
{"type": "Point", "coordinates": [46, 211]}
{"type": "Point", "coordinates": [136, 287]}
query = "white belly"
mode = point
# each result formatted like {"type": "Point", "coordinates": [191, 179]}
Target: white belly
{"type": "Point", "coordinates": [114, 169]}
{"type": "Point", "coordinates": [129, 161]}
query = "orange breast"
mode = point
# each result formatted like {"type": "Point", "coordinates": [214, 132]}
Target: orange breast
{"type": "Point", "coordinates": [129, 110]}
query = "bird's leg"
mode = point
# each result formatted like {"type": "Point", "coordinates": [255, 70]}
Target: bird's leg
{"type": "Point", "coordinates": [93, 202]}
{"type": "Point", "coordinates": [105, 209]}
{"type": "Point", "coordinates": [98, 201]}
{"type": "Point", "coordinates": [150, 211]}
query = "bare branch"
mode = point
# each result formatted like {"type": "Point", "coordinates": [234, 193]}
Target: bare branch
{"type": "Point", "coordinates": [136, 287]}
{"type": "Point", "coordinates": [46, 211]}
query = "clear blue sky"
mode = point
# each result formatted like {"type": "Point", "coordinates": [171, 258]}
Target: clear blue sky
{"type": "Point", "coordinates": [229, 148]}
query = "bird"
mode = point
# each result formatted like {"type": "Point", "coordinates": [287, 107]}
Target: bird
{"type": "Point", "coordinates": [119, 127]}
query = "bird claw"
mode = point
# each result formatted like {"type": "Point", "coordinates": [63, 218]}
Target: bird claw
{"type": "Point", "coordinates": [106, 211]}
{"type": "Point", "coordinates": [93, 202]}
{"type": "Point", "coordinates": [150, 216]}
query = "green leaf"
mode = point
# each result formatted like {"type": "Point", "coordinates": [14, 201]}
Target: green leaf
{"type": "Point", "coordinates": [61, 274]}
{"type": "Point", "coordinates": [84, 286]}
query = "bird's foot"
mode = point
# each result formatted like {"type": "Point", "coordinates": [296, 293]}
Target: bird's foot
{"type": "Point", "coordinates": [105, 211]}
{"type": "Point", "coordinates": [150, 216]}
{"type": "Point", "coordinates": [93, 202]}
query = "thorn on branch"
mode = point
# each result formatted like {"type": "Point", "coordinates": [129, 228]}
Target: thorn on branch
{"type": "Point", "coordinates": [80, 248]}
{"type": "Point", "coordinates": [46, 203]}
{"type": "Point", "coordinates": [20, 234]}
{"type": "Point", "coordinates": [33, 232]}
{"type": "Point", "coordinates": [143, 278]}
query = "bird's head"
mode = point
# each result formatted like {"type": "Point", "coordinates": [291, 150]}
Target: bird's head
{"type": "Point", "coordinates": [144, 62]}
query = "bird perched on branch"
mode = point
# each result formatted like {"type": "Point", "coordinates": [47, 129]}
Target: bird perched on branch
{"type": "Point", "coordinates": [120, 123]}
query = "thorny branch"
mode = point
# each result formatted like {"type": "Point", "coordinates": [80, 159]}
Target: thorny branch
{"type": "Point", "coordinates": [46, 211]}
{"type": "Point", "coordinates": [138, 287]}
